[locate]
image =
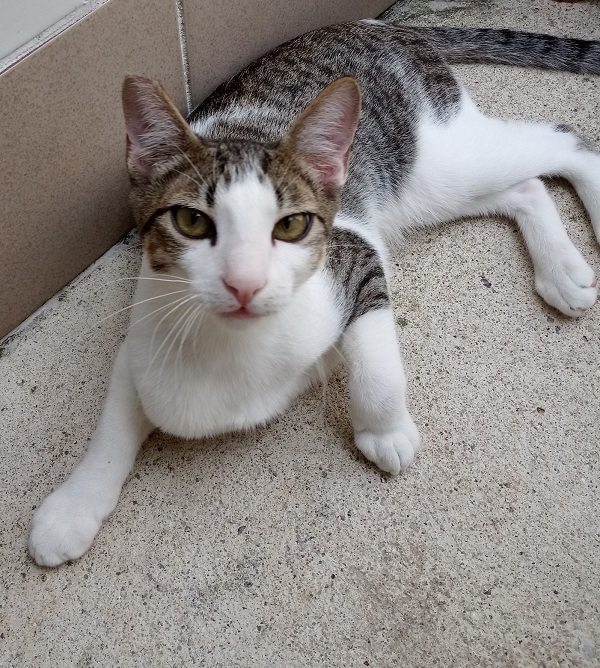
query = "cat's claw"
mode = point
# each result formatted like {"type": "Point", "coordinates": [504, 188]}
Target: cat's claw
{"type": "Point", "coordinates": [63, 529]}
{"type": "Point", "coordinates": [393, 450]}
{"type": "Point", "coordinates": [570, 285]}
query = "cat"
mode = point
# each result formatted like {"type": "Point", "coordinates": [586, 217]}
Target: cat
{"type": "Point", "coordinates": [267, 220]}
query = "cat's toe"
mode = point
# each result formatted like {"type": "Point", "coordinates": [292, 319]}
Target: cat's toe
{"type": "Point", "coordinates": [392, 451]}
{"type": "Point", "coordinates": [571, 287]}
{"type": "Point", "coordinates": [61, 530]}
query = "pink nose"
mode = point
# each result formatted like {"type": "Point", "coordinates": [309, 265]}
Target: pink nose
{"type": "Point", "coordinates": [243, 291]}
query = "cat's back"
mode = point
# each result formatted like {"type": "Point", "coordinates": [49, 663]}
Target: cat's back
{"type": "Point", "coordinates": [400, 74]}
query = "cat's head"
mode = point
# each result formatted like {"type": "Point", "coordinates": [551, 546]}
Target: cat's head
{"type": "Point", "coordinates": [247, 223]}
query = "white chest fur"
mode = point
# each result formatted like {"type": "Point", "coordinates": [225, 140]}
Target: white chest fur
{"type": "Point", "coordinates": [220, 378]}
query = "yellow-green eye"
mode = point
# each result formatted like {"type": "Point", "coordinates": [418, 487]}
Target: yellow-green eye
{"type": "Point", "coordinates": [193, 223]}
{"type": "Point", "coordinates": [293, 228]}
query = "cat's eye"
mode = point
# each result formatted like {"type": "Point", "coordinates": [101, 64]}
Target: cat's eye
{"type": "Point", "coordinates": [193, 223]}
{"type": "Point", "coordinates": [293, 228]}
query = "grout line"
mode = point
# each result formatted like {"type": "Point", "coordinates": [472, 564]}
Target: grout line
{"type": "Point", "coordinates": [184, 54]}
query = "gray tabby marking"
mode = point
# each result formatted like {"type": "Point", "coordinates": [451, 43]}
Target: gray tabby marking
{"type": "Point", "coordinates": [356, 269]}
{"type": "Point", "coordinates": [505, 47]}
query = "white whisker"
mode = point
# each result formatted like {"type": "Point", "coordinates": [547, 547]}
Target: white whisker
{"type": "Point", "coordinates": [191, 178]}
{"type": "Point", "coordinates": [175, 329]}
{"type": "Point", "coordinates": [165, 276]}
{"type": "Point", "coordinates": [186, 330]}
{"type": "Point", "coordinates": [194, 168]}
{"type": "Point", "coordinates": [178, 306]}
{"type": "Point", "coordinates": [125, 308]}
{"type": "Point", "coordinates": [196, 337]}
{"type": "Point", "coordinates": [160, 308]}
{"type": "Point", "coordinates": [150, 278]}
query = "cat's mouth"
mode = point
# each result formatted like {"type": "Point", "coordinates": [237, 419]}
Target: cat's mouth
{"type": "Point", "coordinates": [241, 313]}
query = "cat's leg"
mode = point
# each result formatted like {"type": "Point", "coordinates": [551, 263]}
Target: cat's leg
{"type": "Point", "coordinates": [66, 523]}
{"type": "Point", "coordinates": [562, 276]}
{"type": "Point", "coordinates": [475, 156]}
{"type": "Point", "coordinates": [478, 165]}
{"type": "Point", "coordinates": [582, 169]}
{"type": "Point", "coordinates": [384, 430]}
{"type": "Point", "coordinates": [539, 149]}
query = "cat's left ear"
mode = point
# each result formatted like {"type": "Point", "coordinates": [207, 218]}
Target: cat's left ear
{"type": "Point", "coordinates": [156, 131]}
{"type": "Point", "coordinates": [323, 133]}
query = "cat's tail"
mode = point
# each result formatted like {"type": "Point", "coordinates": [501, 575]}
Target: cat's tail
{"type": "Point", "coordinates": [507, 47]}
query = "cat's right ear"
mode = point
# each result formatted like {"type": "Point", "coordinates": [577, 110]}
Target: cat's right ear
{"type": "Point", "coordinates": [156, 131]}
{"type": "Point", "coordinates": [323, 133]}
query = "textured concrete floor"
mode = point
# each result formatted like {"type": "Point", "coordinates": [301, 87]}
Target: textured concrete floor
{"type": "Point", "coordinates": [284, 547]}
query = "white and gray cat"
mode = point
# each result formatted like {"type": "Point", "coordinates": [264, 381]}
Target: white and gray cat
{"type": "Point", "coordinates": [267, 222]}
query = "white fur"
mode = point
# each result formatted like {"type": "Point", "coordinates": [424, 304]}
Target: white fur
{"type": "Point", "coordinates": [191, 371]}
{"type": "Point", "coordinates": [478, 165]}
{"type": "Point", "coordinates": [203, 126]}
{"type": "Point", "coordinates": [384, 431]}
{"type": "Point", "coordinates": [245, 374]}
{"type": "Point", "coordinates": [65, 524]}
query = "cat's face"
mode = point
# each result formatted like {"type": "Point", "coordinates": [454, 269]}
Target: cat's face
{"type": "Point", "coordinates": [245, 223]}
{"type": "Point", "coordinates": [241, 222]}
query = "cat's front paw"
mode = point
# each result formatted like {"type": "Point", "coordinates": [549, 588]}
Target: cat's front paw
{"type": "Point", "coordinates": [63, 529]}
{"type": "Point", "coordinates": [392, 450]}
{"type": "Point", "coordinates": [569, 284]}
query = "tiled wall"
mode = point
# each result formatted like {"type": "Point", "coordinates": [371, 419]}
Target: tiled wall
{"type": "Point", "coordinates": [63, 186]}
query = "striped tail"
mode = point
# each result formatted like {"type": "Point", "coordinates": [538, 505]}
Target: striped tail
{"type": "Point", "coordinates": [507, 47]}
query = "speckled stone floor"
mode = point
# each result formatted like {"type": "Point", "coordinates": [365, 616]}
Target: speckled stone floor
{"type": "Point", "coordinates": [284, 547]}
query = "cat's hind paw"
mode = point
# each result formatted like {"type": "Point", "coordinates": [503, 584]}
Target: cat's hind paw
{"type": "Point", "coordinates": [570, 285]}
{"type": "Point", "coordinates": [62, 529]}
{"type": "Point", "coordinates": [393, 450]}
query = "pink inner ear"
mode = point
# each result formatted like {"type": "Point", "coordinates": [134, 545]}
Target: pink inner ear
{"type": "Point", "coordinates": [135, 91]}
{"type": "Point", "coordinates": [333, 166]}
{"type": "Point", "coordinates": [138, 157]}
{"type": "Point", "coordinates": [324, 133]}
{"type": "Point", "coordinates": [155, 129]}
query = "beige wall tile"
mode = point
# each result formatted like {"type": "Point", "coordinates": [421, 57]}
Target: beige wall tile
{"type": "Point", "coordinates": [223, 37]}
{"type": "Point", "coordinates": [63, 185]}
